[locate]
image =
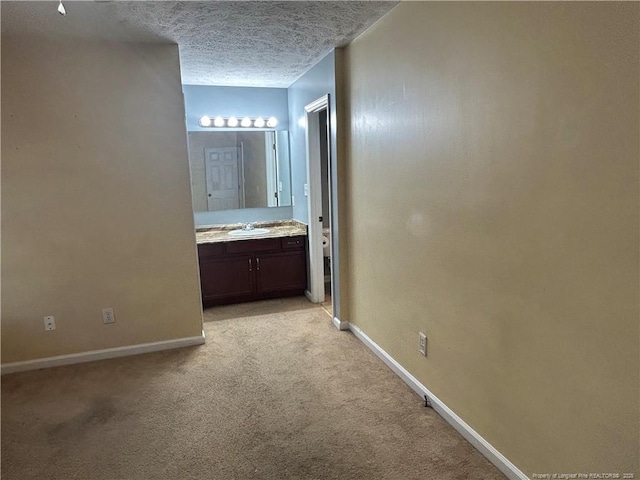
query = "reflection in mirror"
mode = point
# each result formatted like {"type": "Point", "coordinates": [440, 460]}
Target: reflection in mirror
{"type": "Point", "coordinates": [239, 169]}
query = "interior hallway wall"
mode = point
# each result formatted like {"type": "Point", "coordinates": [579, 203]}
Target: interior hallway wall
{"type": "Point", "coordinates": [493, 201]}
{"type": "Point", "coordinates": [96, 204]}
{"type": "Point", "coordinates": [323, 78]}
{"type": "Point", "coordinates": [320, 80]}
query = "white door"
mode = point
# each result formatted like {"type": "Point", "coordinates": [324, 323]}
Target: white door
{"type": "Point", "coordinates": [221, 166]}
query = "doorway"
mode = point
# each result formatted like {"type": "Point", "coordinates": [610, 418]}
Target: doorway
{"type": "Point", "coordinates": [325, 183]}
{"type": "Point", "coordinates": [321, 271]}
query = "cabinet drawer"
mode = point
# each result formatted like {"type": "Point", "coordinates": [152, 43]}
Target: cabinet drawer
{"type": "Point", "coordinates": [210, 249]}
{"type": "Point", "coordinates": [291, 243]}
{"type": "Point", "coordinates": [252, 246]}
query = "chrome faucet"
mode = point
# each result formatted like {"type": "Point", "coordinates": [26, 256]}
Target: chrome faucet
{"type": "Point", "coordinates": [249, 226]}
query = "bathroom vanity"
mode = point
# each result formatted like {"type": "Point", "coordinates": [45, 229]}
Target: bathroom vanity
{"type": "Point", "coordinates": [247, 267]}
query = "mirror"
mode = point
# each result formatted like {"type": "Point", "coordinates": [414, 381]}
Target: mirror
{"type": "Point", "coordinates": [239, 169]}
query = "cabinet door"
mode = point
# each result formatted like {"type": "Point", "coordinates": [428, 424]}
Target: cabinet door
{"type": "Point", "coordinates": [227, 277]}
{"type": "Point", "coordinates": [286, 271]}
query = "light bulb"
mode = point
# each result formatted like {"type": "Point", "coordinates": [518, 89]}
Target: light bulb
{"type": "Point", "coordinates": [205, 121]}
{"type": "Point", "coordinates": [246, 122]}
{"type": "Point", "coordinates": [219, 122]}
{"type": "Point", "coordinates": [259, 122]}
{"type": "Point", "coordinates": [61, 9]}
{"type": "Point", "coordinates": [232, 122]}
{"type": "Point", "coordinates": [272, 122]}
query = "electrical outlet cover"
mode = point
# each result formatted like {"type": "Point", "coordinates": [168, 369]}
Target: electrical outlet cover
{"type": "Point", "coordinates": [108, 316]}
{"type": "Point", "coordinates": [49, 323]}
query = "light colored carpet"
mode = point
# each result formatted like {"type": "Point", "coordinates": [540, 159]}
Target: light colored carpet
{"type": "Point", "coordinates": [276, 393]}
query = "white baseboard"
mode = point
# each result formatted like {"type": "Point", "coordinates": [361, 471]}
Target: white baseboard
{"type": "Point", "coordinates": [340, 325]}
{"type": "Point", "coordinates": [307, 294]}
{"type": "Point", "coordinates": [484, 447]}
{"type": "Point", "coordinates": [92, 355]}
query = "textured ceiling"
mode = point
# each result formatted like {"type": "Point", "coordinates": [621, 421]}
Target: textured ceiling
{"type": "Point", "coordinates": [240, 43]}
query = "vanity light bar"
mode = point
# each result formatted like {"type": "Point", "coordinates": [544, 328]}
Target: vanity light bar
{"type": "Point", "coordinates": [257, 122]}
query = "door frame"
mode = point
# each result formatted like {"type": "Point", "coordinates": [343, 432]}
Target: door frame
{"type": "Point", "coordinates": [315, 292]}
{"type": "Point", "coordinates": [242, 197]}
{"type": "Point", "coordinates": [271, 166]}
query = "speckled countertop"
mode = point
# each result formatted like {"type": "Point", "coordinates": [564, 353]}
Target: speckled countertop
{"type": "Point", "coordinates": [220, 233]}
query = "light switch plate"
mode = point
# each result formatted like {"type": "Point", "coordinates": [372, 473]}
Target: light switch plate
{"type": "Point", "coordinates": [422, 346]}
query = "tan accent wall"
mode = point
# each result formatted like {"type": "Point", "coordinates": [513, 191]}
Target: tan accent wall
{"type": "Point", "coordinates": [492, 191]}
{"type": "Point", "coordinates": [96, 204]}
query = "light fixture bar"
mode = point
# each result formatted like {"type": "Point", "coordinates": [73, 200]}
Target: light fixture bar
{"type": "Point", "coordinates": [207, 121]}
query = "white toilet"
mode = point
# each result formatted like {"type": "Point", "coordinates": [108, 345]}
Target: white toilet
{"type": "Point", "coordinates": [326, 252]}
{"type": "Point", "coordinates": [326, 242]}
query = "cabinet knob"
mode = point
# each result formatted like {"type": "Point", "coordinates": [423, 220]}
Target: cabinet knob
{"type": "Point", "coordinates": [250, 266]}
{"type": "Point", "coordinates": [257, 263]}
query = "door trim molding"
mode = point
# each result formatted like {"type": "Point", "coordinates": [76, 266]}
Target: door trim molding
{"type": "Point", "coordinates": [271, 166]}
{"type": "Point", "coordinates": [318, 104]}
{"type": "Point", "coordinates": [473, 437]}
{"type": "Point", "coordinates": [107, 353]}
{"type": "Point", "coordinates": [340, 325]}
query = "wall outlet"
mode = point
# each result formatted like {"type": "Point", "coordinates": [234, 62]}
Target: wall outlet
{"type": "Point", "coordinates": [49, 323]}
{"type": "Point", "coordinates": [293, 201]}
{"type": "Point", "coordinates": [108, 316]}
{"type": "Point", "coordinates": [306, 189]}
{"type": "Point", "coordinates": [422, 345]}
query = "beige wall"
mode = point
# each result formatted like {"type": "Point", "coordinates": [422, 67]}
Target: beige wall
{"type": "Point", "coordinates": [96, 206]}
{"type": "Point", "coordinates": [492, 189]}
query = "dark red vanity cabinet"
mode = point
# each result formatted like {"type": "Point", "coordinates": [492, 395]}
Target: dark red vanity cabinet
{"type": "Point", "coordinates": [226, 277]}
{"type": "Point", "coordinates": [246, 270]}
{"type": "Point", "coordinates": [281, 272]}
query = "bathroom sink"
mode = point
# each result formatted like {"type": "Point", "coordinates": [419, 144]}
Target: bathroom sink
{"type": "Point", "coordinates": [249, 233]}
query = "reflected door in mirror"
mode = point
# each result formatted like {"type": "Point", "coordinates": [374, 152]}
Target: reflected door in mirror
{"type": "Point", "coordinates": [222, 178]}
